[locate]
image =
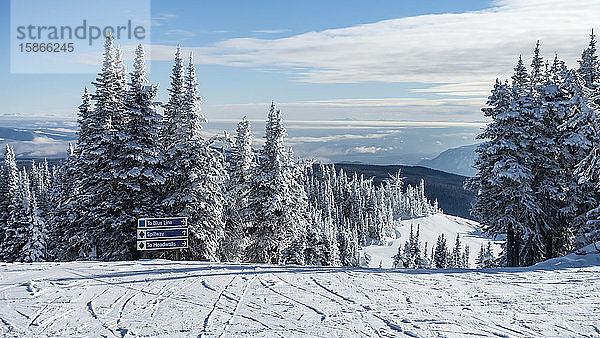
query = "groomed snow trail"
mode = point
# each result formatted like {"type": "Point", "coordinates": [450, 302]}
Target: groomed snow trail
{"type": "Point", "coordinates": [163, 298]}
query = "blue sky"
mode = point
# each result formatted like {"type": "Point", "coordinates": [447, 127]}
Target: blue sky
{"type": "Point", "coordinates": [321, 60]}
{"type": "Point", "coordinates": [200, 23]}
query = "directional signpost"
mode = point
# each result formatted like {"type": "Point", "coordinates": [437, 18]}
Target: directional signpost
{"type": "Point", "coordinates": [162, 233]}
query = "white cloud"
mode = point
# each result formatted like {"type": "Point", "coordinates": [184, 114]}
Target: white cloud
{"type": "Point", "coordinates": [461, 48]}
{"type": "Point", "coordinates": [180, 33]}
{"type": "Point", "coordinates": [366, 150]}
{"type": "Point", "coordinates": [270, 31]}
{"type": "Point", "coordinates": [408, 109]}
{"type": "Point", "coordinates": [162, 18]}
{"type": "Point", "coordinates": [338, 137]}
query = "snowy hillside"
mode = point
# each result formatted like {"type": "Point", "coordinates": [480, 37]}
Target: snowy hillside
{"type": "Point", "coordinates": [430, 228]}
{"type": "Point", "coordinates": [162, 298]}
{"type": "Point", "coordinates": [455, 160]}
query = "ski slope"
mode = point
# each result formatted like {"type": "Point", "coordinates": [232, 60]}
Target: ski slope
{"type": "Point", "coordinates": [430, 228]}
{"type": "Point", "coordinates": [558, 298]}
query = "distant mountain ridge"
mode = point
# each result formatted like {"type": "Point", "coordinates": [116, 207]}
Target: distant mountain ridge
{"type": "Point", "coordinates": [454, 160]}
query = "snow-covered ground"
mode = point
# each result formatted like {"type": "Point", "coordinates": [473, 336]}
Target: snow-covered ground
{"type": "Point", "coordinates": [558, 298]}
{"type": "Point", "coordinates": [430, 228]}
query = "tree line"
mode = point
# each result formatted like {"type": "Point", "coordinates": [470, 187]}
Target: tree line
{"type": "Point", "coordinates": [538, 167]}
{"type": "Point", "coordinates": [242, 204]}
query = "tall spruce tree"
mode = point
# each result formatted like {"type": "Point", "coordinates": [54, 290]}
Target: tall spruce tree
{"type": "Point", "coordinates": [440, 256]}
{"type": "Point", "coordinates": [19, 223]}
{"type": "Point", "coordinates": [196, 169]}
{"type": "Point", "coordinates": [34, 249]}
{"type": "Point", "coordinates": [278, 201]}
{"type": "Point", "coordinates": [238, 219]}
{"type": "Point", "coordinates": [579, 140]}
{"type": "Point", "coordinates": [9, 201]}
{"type": "Point", "coordinates": [9, 185]}
{"type": "Point", "coordinates": [506, 202]}
{"type": "Point", "coordinates": [589, 68]}
{"type": "Point", "coordinates": [137, 166]}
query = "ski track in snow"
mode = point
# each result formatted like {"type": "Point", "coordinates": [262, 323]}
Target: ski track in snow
{"type": "Point", "coordinates": [162, 298]}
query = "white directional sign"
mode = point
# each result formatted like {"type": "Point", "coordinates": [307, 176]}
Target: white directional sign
{"type": "Point", "coordinates": [162, 244]}
{"type": "Point", "coordinates": [162, 233]}
{"type": "Point", "coordinates": [166, 222]}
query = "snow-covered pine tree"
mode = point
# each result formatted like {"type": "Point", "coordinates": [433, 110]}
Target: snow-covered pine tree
{"type": "Point", "coordinates": [119, 117]}
{"type": "Point", "coordinates": [578, 140]}
{"type": "Point", "coordinates": [94, 220]}
{"type": "Point", "coordinates": [172, 119]}
{"type": "Point", "coordinates": [455, 259]}
{"type": "Point", "coordinates": [40, 186]}
{"type": "Point", "coordinates": [546, 114]}
{"type": "Point", "coordinates": [440, 257]}
{"type": "Point", "coordinates": [425, 262]}
{"type": "Point", "coordinates": [9, 198]}
{"type": "Point", "coordinates": [278, 202]}
{"type": "Point", "coordinates": [480, 257]}
{"type": "Point", "coordinates": [408, 257]}
{"type": "Point", "coordinates": [589, 68]}
{"type": "Point", "coordinates": [552, 182]}
{"type": "Point", "coordinates": [313, 253]}
{"type": "Point", "coordinates": [465, 257]}
{"type": "Point", "coordinates": [348, 244]}
{"type": "Point", "coordinates": [139, 174]}
{"type": "Point", "coordinates": [506, 203]}
{"type": "Point", "coordinates": [399, 258]}
{"type": "Point", "coordinates": [330, 248]}
{"type": "Point", "coordinates": [417, 255]}
{"type": "Point", "coordinates": [196, 170]}
{"type": "Point", "coordinates": [34, 249]}
{"type": "Point", "coordinates": [489, 260]}
{"type": "Point", "coordinates": [19, 223]}
{"type": "Point", "coordinates": [238, 187]}
{"type": "Point", "coordinates": [60, 200]}
{"type": "Point", "coordinates": [9, 187]}
{"type": "Point", "coordinates": [524, 210]}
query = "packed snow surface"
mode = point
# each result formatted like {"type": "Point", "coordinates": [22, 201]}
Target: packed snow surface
{"type": "Point", "coordinates": [430, 228]}
{"type": "Point", "coordinates": [163, 298]}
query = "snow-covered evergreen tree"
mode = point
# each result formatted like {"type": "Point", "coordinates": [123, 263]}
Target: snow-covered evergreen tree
{"type": "Point", "coordinates": [34, 249]}
{"type": "Point", "coordinates": [9, 188]}
{"type": "Point", "coordinates": [589, 68]}
{"type": "Point", "coordinates": [480, 257]}
{"type": "Point", "coordinates": [196, 170]}
{"type": "Point", "coordinates": [95, 224]}
{"type": "Point", "coordinates": [410, 256]}
{"type": "Point", "coordinates": [465, 258]}
{"type": "Point", "coordinates": [506, 202]}
{"type": "Point", "coordinates": [19, 223]}
{"type": "Point", "coordinates": [440, 258]}
{"type": "Point", "coordinates": [278, 202]}
{"type": "Point", "coordinates": [486, 258]}
{"type": "Point", "coordinates": [455, 259]}
{"type": "Point", "coordinates": [313, 253]}
{"type": "Point", "coordinates": [238, 219]}
{"type": "Point", "coordinates": [139, 174]}
{"type": "Point", "coordinates": [348, 245]}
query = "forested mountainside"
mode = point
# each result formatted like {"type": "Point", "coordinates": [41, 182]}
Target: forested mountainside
{"type": "Point", "coordinates": [445, 187]}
